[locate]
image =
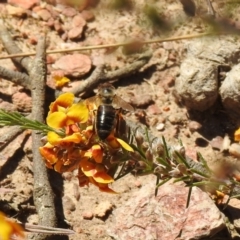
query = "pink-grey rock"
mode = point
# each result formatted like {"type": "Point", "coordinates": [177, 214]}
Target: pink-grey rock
{"type": "Point", "coordinates": [87, 15]}
{"type": "Point", "coordinates": [233, 212]}
{"type": "Point", "coordinates": [26, 4]}
{"type": "Point", "coordinates": [217, 142]}
{"type": "Point", "coordinates": [15, 11]}
{"type": "Point", "coordinates": [78, 21]}
{"type": "Point", "coordinates": [87, 215]}
{"type": "Point", "coordinates": [69, 11]}
{"type": "Point", "coordinates": [230, 91]}
{"type": "Point", "coordinates": [145, 216]}
{"type": "Point", "coordinates": [195, 88]}
{"type": "Point", "coordinates": [68, 203]}
{"type": "Point", "coordinates": [44, 14]}
{"type": "Point", "coordinates": [22, 101]}
{"type": "Point", "coordinates": [74, 65]}
{"type": "Point", "coordinates": [75, 33]}
{"type": "Point", "coordinates": [102, 209]}
{"type": "Point", "coordinates": [194, 126]}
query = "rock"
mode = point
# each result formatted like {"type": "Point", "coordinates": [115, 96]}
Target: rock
{"type": "Point", "coordinates": [68, 204]}
{"type": "Point", "coordinates": [219, 50]}
{"type": "Point", "coordinates": [78, 24]}
{"type": "Point", "coordinates": [26, 4]}
{"type": "Point", "coordinates": [234, 149]}
{"type": "Point", "coordinates": [87, 15]}
{"type": "Point", "coordinates": [197, 85]}
{"type": "Point", "coordinates": [233, 212]}
{"type": "Point", "coordinates": [78, 21]}
{"type": "Point", "coordinates": [87, 215]}
{"type": "Point", "coordinates": [197, 89]}
{"type": "Point", "coordinates": [230, 91]}
{"type": "Point", "coordinates": [75, 33]}
{"type": "Point", "coordinates": [160, 126]}
{"type": "Point", "coordinates": [9, 107]}
{"type": "Point", "coordinates": [217, 143]}
{"type": "Point", "coordinates": [194, 126]}
{"type": "Point", "coordinates": [102, 209]}
{"type": "Point", "coordinates": [69, 11]}
{"type": "Point", "coordinates": [44, 14]}
{"type": "Point", "coordinates": [165, 216]}
{"type": "Point", "coordinates": [15, 11]}
{"type": "Point", "coordinates": [23, 101]}
{"type": "Point", "coordinates": [175, 119]}
{"type": "Point", "coordinates": [74, 65]}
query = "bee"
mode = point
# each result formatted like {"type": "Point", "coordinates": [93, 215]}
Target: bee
{"type": "Point", "coordinates": [108, 110]}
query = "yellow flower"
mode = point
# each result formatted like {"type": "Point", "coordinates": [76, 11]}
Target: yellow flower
{"type": "Point", "coordinates": [60, 81]}
{"type": "Point", "coordinates": [117, 143]}
{"type": "Point", "coordinates": [56, 140]}
{"type": "Point", "coordinates": [96, 174]}
{"type": "Point", "coordinates": [9, 228]}
{"type": "Point", "coordinates": [63, 112]}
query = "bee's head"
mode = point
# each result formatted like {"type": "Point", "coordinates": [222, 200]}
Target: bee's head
{"type": "Point", "coordinates": [106, 90]}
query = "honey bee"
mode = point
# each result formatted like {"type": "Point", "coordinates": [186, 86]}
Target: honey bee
{"type": "Point", "coordinates": [108, 110]}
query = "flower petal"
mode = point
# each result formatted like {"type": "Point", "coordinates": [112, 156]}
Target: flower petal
{"type": "Point", "coordinates": [64, 100]}
{"type": "Point", "coordinates": [105, 188]}
{"type": "Point", "coordinates": [125, 145]}
{"type": "Point", "coordinates": [67, 166]}
{"type": "Point", "coordinates": [237, 135]}
{"type": "Point", "coordinates": [60, 81]}
{"type": "Point", "coordinates": [9, 228]}
{"type": "Point", "coordinates": [48, 154]}
{"type": "Point", "coordinates": [78, 112]}
{"type": "Point", "coordinates": [97, 153]}
{"type": "Point", "coordinates": [102, 177]}
{"type": "Point", "coordinates": [75, 138]}
{"type": "Point", "coordinates": [53, 138]}
{"type": "Point", "coordinates": [87, 167]}
{"type": "Point", "coordinates": [56, 120]}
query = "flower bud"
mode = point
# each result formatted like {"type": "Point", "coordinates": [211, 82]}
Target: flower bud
{"type": "Point", "coordinates": [149, 154]}
{"type": "Point", "coordinates": [139, 138]}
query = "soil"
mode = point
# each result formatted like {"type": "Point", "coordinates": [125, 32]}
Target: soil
{"type": "Point", "coordinates": [151, 91]}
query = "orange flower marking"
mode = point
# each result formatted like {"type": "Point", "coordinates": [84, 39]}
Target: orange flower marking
{"type": "Point", "coordinates": [95, 152]}
{"type": "Point", "coordinates": [48, 153]}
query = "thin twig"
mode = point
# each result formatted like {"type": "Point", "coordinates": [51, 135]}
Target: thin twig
{"type": "Point", "coordinates": [110, 45]}
{"type": "Point", "coordinates": [15, 77]}
{"type": "Point", "coordinates": [47, 230]}
{"type": "Point", "coordinates": [11, 134]}
{"type": "Point", "coordinates": [99, 76]}
{"type": "Point", "coordinates": [42, 194]}
{"type": "Point", "coordinates": [12, 48]}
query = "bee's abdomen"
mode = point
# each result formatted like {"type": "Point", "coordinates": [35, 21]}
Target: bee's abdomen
{"type": "Point", "coordinates": [105, 121]}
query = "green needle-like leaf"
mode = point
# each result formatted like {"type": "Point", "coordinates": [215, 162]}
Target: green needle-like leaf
{"type": "Point", "coordinates": [16, 119]}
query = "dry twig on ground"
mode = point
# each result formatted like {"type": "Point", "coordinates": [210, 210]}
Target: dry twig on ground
{"type": "Point", "coordinates": [42, 193]}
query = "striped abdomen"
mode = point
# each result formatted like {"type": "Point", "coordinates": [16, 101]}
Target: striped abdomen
{"type": "Point", "coordinates": [105, 121]}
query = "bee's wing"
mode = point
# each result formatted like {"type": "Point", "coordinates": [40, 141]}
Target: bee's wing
{"type": "Point", "coordinates": [120, 103]}
{"type": "Point", "coordinates": [93, 102]}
